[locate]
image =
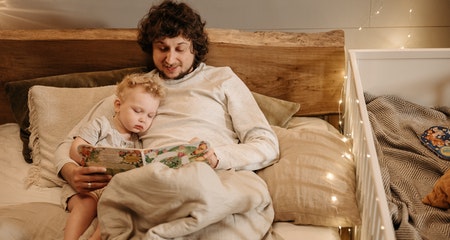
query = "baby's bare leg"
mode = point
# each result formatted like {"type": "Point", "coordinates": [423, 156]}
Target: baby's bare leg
{"type": "Point", "coordinates": [83, 209]}
{"type": "Point", "coordinates": [96, 235]}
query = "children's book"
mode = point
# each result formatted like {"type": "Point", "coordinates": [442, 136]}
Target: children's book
{"type": "Point", "coordinates": [117, 160]}
{"type": "Point", "coordinates": [437, 139]}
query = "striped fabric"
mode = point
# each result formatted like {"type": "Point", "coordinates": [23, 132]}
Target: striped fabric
{"type": "Point", "coordinates": [409, 169]}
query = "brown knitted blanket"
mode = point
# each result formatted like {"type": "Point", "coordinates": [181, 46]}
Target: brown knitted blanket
{"type": "Point", "coordinates": [409, 169]}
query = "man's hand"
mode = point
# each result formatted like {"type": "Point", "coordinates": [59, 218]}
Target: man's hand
{"type": "Point", "coordinates": [210, 155]}
{"type": "Point", "coordinates": [85, 179]}
{"type": "Point", "coordinates": [212, 158]}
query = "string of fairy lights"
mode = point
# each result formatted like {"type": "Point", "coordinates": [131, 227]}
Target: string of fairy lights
{"type": "Point", "coordinates": [378, 8]}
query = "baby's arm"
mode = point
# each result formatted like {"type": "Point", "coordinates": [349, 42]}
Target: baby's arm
{"type": "Point", "coordinates": [74, 150]}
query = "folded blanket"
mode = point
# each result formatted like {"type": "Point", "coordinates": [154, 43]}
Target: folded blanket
{"type": "Point", "coordinates": [409, 169]}
{"type": "Point", "coordinates": [192, 202]}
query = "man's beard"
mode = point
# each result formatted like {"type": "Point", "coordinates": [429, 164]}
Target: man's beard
{"type": "Point", "coordinates": [180, 76]}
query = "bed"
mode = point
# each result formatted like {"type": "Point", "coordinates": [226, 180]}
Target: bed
{"type": "Point", "coordinates": [296, 78]}
{"type": "Point", "coordinates": [404, 96]}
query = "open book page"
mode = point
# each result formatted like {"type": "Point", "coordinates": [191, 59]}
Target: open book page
{"type": "Point", "coordinates": [117, 160]}
{"type": "Point", "coordinates": [176, 156]}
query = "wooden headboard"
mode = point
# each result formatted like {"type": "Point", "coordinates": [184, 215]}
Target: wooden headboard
{"type": "Point", "coordinates": [307, 68]}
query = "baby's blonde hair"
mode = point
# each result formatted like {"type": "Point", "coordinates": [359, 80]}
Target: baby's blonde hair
{"type": "Point", "coordinates": [152, 85]}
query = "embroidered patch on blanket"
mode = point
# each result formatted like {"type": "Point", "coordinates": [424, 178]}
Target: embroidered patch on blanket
{"type": "Point", "coordinates": [437, 138]}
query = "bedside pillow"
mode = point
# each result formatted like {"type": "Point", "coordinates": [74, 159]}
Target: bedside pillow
{"type": "Point", "coordinates": [313, 183]}
{"type": "Point", "coordinates": [50, 124]}
{"type": "Point", "coordinates": [53, 113]}
{"type": "Point", "coordinates": [277, 111]}
{"type": "Point", "coordinates": [17, 93]}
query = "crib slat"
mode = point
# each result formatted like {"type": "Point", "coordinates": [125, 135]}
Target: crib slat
{"type": "Point", "coordinates": [376, 221]}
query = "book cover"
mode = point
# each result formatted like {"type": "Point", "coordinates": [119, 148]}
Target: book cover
{"type": "Point", "coordinates": [437, 139]}
{"type": "Point", "coordinates": [117, 160]}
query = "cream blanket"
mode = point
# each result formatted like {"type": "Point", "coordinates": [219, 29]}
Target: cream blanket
{"type": "Point", "coordinates": [192, 202]}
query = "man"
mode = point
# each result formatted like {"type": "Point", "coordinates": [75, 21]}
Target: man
{"type": "Point", "coordinates": [205, 102]}
{"type": "Point", "coordinates": [210, 103]}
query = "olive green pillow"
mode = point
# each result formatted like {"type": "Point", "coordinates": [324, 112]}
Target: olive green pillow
{"type": "Point", "coordinates": [278, 112]}
{"type": "Point", "coordinates": [17, 93]}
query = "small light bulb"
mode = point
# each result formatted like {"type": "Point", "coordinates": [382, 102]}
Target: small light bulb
{"type": "Point", "coordinates": [330, 176]}
{"type": "Point", "coordinates": [333, 198]}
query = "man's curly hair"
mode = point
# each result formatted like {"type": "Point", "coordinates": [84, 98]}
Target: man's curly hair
{"type": "Point", "coordinates": [171, 19]}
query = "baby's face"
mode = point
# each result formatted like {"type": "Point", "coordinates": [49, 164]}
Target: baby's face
{"type": "Point", "coordinates": [137, 110]}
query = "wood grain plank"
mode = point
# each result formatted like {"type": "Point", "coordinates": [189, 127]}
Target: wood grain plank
{"type": "Point", "coordinates": [307, 68]}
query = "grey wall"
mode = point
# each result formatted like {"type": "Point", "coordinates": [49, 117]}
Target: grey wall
{"type": "Point", "coordinates": [367, 23]}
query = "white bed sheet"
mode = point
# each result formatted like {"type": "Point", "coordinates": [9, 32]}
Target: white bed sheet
{"type": "Point", "coordinates": [14, 170]}
{"type": "Point", "coordinates": [289, 231]}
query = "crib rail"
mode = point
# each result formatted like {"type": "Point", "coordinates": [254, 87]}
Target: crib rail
{"type": "Point", "coordinates": [376, 221]}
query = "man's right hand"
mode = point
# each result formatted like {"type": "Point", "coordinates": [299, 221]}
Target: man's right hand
{"type": "Point", "coordinates": [85, 179]}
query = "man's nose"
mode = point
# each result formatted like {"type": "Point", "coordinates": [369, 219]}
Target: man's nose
{"type": "Point", "coordinates": [170, 57]}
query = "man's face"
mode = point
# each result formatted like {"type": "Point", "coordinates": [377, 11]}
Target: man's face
{"type": "Point", "coordinates": [173, 57]}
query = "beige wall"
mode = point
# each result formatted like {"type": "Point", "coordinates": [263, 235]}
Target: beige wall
{"type": "Point", "coordinates": [367, 23]}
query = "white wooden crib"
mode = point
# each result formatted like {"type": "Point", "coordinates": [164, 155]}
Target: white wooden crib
{"type": "Point", "coordinates": [405, 73]}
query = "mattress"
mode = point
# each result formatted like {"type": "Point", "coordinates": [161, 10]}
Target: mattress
{"type": "Point", "coordinates": [14, 170]}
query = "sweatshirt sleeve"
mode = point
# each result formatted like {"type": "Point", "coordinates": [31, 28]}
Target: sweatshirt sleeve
{"type": "Point", "coordinates": [258, 144]}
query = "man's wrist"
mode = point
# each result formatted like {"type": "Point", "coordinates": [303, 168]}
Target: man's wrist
{"type": "Point", "coordinates": [67, 169]}
{"type": "Point", "coordinates": [217, 164]}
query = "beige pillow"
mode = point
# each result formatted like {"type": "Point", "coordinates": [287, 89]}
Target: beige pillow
{"type": "Point", "coordinates": [313, 183]}
{"type": "Point", "coordinates": [53, 113]}
{"type": "Point", "coordinates": [278, 112]}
